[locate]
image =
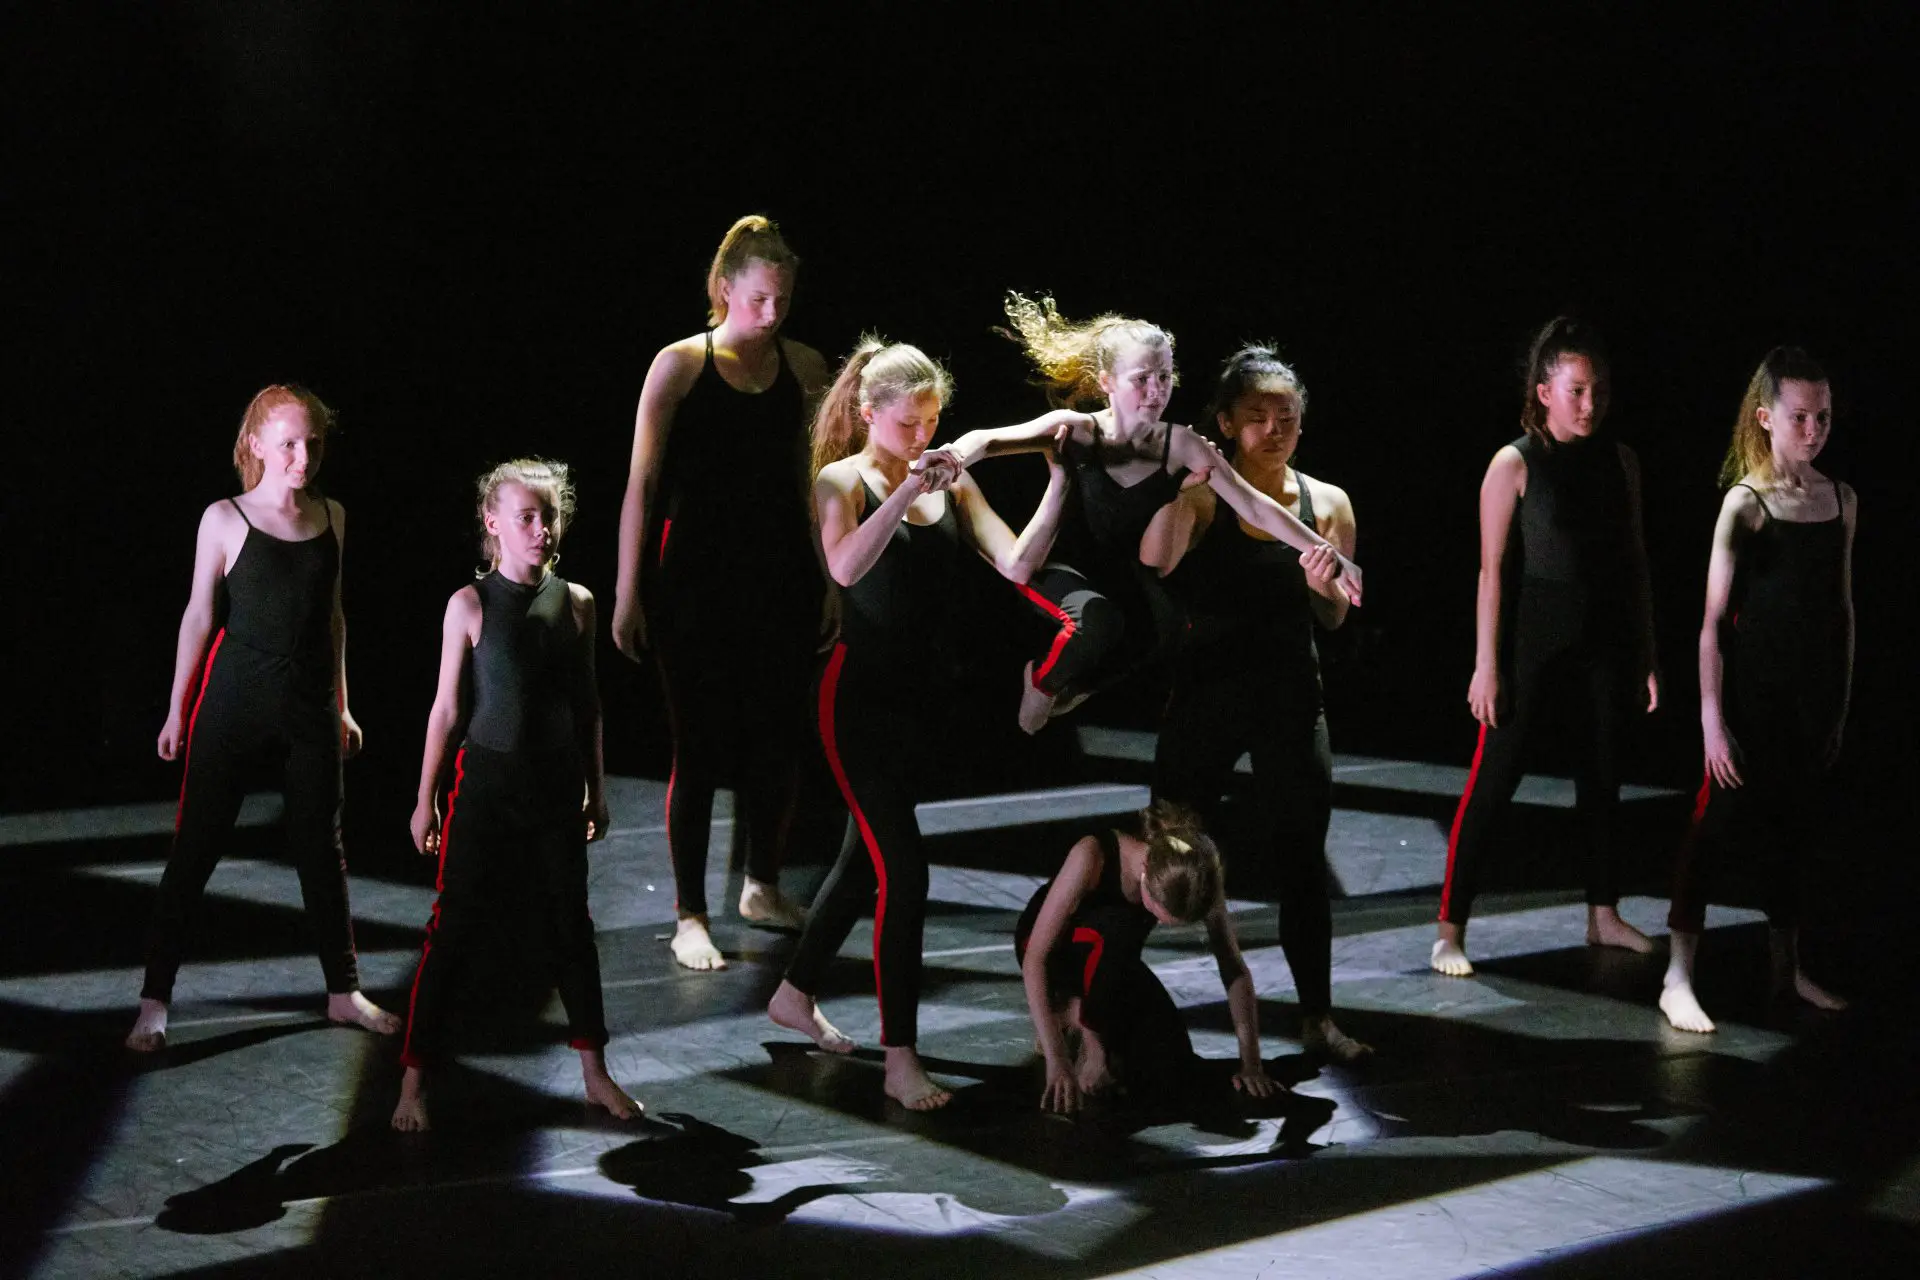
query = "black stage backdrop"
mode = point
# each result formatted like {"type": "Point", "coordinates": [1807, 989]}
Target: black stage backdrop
{"type": "Point", "coordinates": [470, 233]}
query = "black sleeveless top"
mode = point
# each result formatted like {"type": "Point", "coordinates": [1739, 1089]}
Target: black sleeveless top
{"type": "Point", "coordinates": [1247, 592]}
{"type": "Point", "coordinates": [902, 608]}
{"type": "Point", "coordinates": [1125, 924]}
{"type": "Point", "coordinates": [1575, 532]}
{"type": "Point", "coordinates": [280, 604]}
{"type": "Point", "coordinates": [732, 507]}
{"type": "Point", "coordinates": [1789, 600]}
{"type": "Point", "coordinates": [526, 666]}
{"type": "Point", "coordinates": [1103, 520]}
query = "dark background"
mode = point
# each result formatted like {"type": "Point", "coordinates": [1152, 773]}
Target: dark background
{"type": "Point", "coordinates": [470, 233]}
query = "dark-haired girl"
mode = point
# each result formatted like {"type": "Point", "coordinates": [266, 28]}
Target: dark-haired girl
{"type": "Point", "coordinates": [1776, 671]}
{"type": "Point", "coordinates": [272, 685]}
{"type": "Point", "coordinates": [1080, 943]}
{"type": "Point", "coordinates": [1564, 609]}
{"type": "Point", "coordinates": [1109, 612]}
{"type": "Point", "coordinates": [517, 680]}
{"type": "Point", "coordinates": [1247, 679]}
{"type": "Point", "coordinates": [895, 521]}
{"type": "Point", "coordinates": [720, 573]}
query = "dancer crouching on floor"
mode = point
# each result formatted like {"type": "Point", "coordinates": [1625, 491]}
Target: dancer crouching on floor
{"type": "Point", "coordinates": [1580, 625]}
{"type": "Point", "coordinates": [1079, 943]}
{"type": "Point", "coordinates": [272, 684]}
{"type": "Point", "coordinates": [1776, 672]}
{"type": "Point", "coordinates": [517, 673]}
{"type": "Point", "coordinates": [895, 521]}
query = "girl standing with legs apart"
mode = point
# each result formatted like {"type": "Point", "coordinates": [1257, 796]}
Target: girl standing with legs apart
{"type": "Point", "coordinates": [721, 576]}
{"type": "Point", "coordinates": [272, 684]}
{"type": "Point", "coordinates": [1110, 611]}
{"type": "Point", "coordinates": [1776, 671]}
{"type": "Point", "coordinates": [1567, 609]}
{"type": "Point", "coordinates": [895, 520]}
{"type": "Point", "coordinates": [1080, 944]}
{"type": "Point", "coordinates": [1248, 677]}
{"type": "Point", "coordinates": [516, 673]}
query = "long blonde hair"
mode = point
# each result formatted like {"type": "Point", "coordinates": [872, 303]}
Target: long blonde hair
{"type": "Point", "coordinates": [545, 477]}
{"type": "Point", "coordinates": [877, 374]}
{"type": "Point", "coordinates": [259, 409]}
{"type": "Point", "coordinates": [1071, 355]}
{"type": "Point", "coordinates": [1750, 452]}
{"type": "Point", "coordinates": [754, 237]}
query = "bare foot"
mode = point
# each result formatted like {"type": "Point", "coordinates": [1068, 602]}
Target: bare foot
{"type": "Point", "coordinates": [1448, 958]}
{"type": "Point", "coordinates": [1063, 706]}
{"type": "Point", "coordinates": [1605, 928]}
{"type": "Point", "coordinates": [1683, 1009]}
{"type": "Point", "coordinates": [692, 946]}
{"type": "Point", "coordinates": [1035, 706]}
{"type": "Point", "coordinates": [602, 1091]}
{"type": "Point", "coordinates": [1320, 1037]}
{"type": "Point", "coordinates": [764, 905]}
{"type": "Point", "coordinates": [411, 1115]}
{"type": "Point", "coordinates": [795, 1010]}
{"type": "Point", "coordinates": [351, 1009]}
{"type": "Point", "coordinates": [149, 1034]}
{"type": "Point", "coordinates": [1814, 994]}
{"type": "Point", "coordinates": [909, 1084]}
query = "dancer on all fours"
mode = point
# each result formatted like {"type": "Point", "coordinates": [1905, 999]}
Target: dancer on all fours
{"type": "Point", "coordinates": [1110, 610]}
{"type": "Point", "coordinates": [1247, 678]}
{"type": "Point", "coordinates": [895, 522]}
{"type": "Point", "coordinates": [517, 691]}
{"type": "Point", "coordinates": [272, 686]}
{"type": "Point", "coordinates": [1564, 610]}
{"type": "Point", "coordinates": [720, 573]}
{"type": "Point", "coordinates": [1080, 943]}
{"type": "Point", "coordinates": [1776, 672]}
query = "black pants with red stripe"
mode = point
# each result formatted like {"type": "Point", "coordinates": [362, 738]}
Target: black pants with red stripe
{"type": "Point", "coordinates": [249, 711]}
{"type": "Point", "coordinates": [1217, 712]}
{"type": "Point", "coordinates": [1600, 681]}
{"type": "Point", "coordinates": [514, 834]}
{"type": "Point", "coordinates": [873, 726]}
{"type": "Point", "coordinates": [736, 705]}
{"type": "Point", "coordinates": [1121, 1000]}
{"type": "Point", "coordinates": [1104, 631]}
{"type": "Point", "coordinates": [1779, 816]}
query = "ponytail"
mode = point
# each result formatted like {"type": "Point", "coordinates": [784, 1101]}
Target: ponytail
{"type": "Point", "coordinates": [1183, 864]}
{"type": "Point", "coordinates": [1750, 451]}
{"type": "Point", "coordinates": [753, 238]}
{"type": "Point", "coordinates": [1559, 337]}
{"type": "Point", "coordinates": [876, 374]}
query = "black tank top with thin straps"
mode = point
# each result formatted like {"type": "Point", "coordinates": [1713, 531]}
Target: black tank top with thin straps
{"type": "Point", "coordinates": [902, 607]}
{"type": "Point", "coordinates": [1128, 922]}
{"type": "Point", "coordinates": [1575, 532]}
{"type": "Point", "coordinates": [526, 666]}
{"type": "Point", "coordinates": [280, 603]}
{"type": "Point", "coordinates": [1103, 520]}
{"type": "Point", "coordinates": [1247, 592]}
{"type": "Point", "coordinates": [1789, 599]}
{"type": "Point", "coordinates": [732, 505]}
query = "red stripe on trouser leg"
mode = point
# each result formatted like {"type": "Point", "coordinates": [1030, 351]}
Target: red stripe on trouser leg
{"type": "Point", "coordinates": [1687, 912]}
{"type": "Point", "coordinates": [829, 685]}
{"type": "Point", "coordinates": [666, 527]}
{"type": "Point", "coordinates": [1067, 629]}
{"type": "Point", "coordinates": [408, 1058]}
{"type": "Point", "coordinates": [1097, 944]}
{"type": "Point", "coordinates": [1459, 816]}
{"type": "Point", "coordinates": [672, 773]}
{"type": "Point", "coordinates": [193, 718]}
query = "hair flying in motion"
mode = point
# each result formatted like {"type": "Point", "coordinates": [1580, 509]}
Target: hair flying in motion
{"type": "Point", "coordinates": [1071, 355]}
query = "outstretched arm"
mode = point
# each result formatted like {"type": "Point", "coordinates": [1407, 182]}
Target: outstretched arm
{"type": "Point", "coordinates": [459, 629]}
{"type": "Point", "coordinates": [1242, 1004]}
{"type": "Point", "coordinates": [1078, 874]}
{"type": "Point", "coordinates": [1017, 559]}
{"type": "Point", "coordinates": [991, 442]}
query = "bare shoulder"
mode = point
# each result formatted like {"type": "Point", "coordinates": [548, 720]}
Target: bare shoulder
{"type": "Point", "coordinates": [336, 515]}
{"type": "Point", "coordinates": [842, 477]}
{"type": "Point", "coordinates": [464, 604]}
{"type": "Point", "coordinates": [1328, 497]}
{"type": "Point", "coordinates": [678, 363]}
{"type": "Point", "coordinates": [220, 517]}
{"type": "Point", "coordinates": [1507, 460]}
{"type": "Point", "coordinates": [808, 365]}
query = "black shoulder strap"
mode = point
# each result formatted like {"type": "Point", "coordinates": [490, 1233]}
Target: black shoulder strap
{"type": "Point", "coordinates": [1166, 447]}
{"type": "Point", "coordinates": [329, 509]}
{"type": "Point", "coordinates": [1306, 502]}
{"type": "Point", "coordinates": [709, 348]}
{"type": "Point", "coordinates": [241, 510]}
{"type": "Point", "coordinates": [1767, 510]}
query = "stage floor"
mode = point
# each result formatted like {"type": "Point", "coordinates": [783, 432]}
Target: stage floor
{"type": "Point", "coordinates": [1540, 1118]}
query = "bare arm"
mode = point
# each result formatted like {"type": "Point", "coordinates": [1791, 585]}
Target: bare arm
{"type": "Point", "coordinates": [852, 545]}
{"type": "Point", "coordinates": [458, 631]}
{"type": "Point", "coordinates": [1499, 497]}
{"type": "Point", "coordinates": [351, 738]}
{"type": "Point", "coordinates": [1642, 583]}
{"type": "Point", "coordinates": [1017, 559]}
{"type": "Point", "coordinates": [1328, 602]}
{"type": "Point", "coordinates": [669, 379]}
{"type": "Point", "coordinates": [1850, 512]}
{"type": "Point", "coordinates": [1078, 874]}
{"type": "Point", "coordinates": [196, 622]}
{"type": "Point", "coordinates": [992, 442]}
{"type": "Point", "coordinates": [586, 712]}
{"type": "Point", "coordinates": [1187, 448]}
{"type": "Point", "coordinates": [1739, 514]}
{"type": "Point", "coordinates": [1177, 528]}
{"type": "Point", "coordinates": [1242, 1004]}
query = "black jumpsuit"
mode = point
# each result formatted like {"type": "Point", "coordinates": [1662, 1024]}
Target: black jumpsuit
{"type": "Point", "coordinates": [1111, 612]}
{"type": "Point", "coordinates": [882, 699]}
{"type": "Point", "coordinates": [1572, 630]}
{"type": "Point", "coordinates": [514, 828]}
{"type": "Point", "coordinates": [1248, 680]}
{"type": "Point", "coordinates": [1098, 958]}
{"type": "Point", "coordinates": [266, 691]}
{"type": "Point", "coordinates": [1785, 682]}
{"type": "Point", "coordinates": [733, 605]}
